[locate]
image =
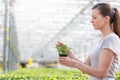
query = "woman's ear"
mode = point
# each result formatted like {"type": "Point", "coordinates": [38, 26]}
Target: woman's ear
{"type": "Point", "coordinates": [107, 19]}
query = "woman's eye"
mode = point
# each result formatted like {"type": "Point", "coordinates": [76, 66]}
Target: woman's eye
{"type": "Point", "coordinates": [94, 18]}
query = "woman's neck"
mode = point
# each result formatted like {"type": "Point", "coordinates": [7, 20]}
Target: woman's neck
{"type": "Point", "coordinates": [106, 31]}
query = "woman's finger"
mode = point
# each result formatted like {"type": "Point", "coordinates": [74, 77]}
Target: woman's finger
{"type": "Point", "coordinates": [61, 59]}
{"type": "Point", "coordinates": [60, 43]}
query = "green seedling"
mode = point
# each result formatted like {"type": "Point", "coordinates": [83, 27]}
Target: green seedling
{"type": "Point", "coordinates": [62, 50]}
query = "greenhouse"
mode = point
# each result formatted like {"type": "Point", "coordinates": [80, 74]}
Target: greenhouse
{"type": "Point", "coordinates": [30, 29]}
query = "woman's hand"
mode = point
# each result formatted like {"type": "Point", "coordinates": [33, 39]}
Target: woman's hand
{"type": "Point", "coordinates": [60, 43]}
{"type": "Point", "coordinates": [69, 52]}
{"type": "Point", "coordinates": [66, 61]}
{"type": "Point", "coordinates": [65, 48]}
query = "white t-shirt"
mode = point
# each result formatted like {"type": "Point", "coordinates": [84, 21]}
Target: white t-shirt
{"type": "Point", "coordinates": [112, 42]}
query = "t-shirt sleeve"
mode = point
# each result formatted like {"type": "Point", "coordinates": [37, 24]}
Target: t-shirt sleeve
{"type": "Point", "coordinates": [111, 43]}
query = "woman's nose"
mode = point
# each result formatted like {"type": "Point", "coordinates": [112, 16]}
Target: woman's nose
{"type": "Point", "coordinates": [91, 21]}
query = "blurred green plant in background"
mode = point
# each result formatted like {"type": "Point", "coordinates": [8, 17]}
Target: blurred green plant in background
{"type": "Point", "coordinates": [46, 74]}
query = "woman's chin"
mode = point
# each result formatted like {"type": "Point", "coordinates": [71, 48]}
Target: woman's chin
{"type": "Point", "coordinates": [95, 28]}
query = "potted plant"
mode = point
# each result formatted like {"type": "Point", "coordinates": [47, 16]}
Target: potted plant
{"type": "Point", "coordinates": [62, 50]}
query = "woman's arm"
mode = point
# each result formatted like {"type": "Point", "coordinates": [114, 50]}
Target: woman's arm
{"type": "Point", "coordinates": [72, 56]}
{"type": "Point", "coordinates": [87, 61]}
{"type": "Point", "coordinates": [105, 60]}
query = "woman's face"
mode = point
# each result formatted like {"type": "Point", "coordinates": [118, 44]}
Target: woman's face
{"type": "Point", "coordinates": [98, 21]}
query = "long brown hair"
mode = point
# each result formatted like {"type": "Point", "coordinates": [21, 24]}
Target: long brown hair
{"type": "Point", "coordinates": [106, 10]}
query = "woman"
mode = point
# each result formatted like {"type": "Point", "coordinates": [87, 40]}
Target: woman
{"type": "Point", "coordinates": [103, 61]}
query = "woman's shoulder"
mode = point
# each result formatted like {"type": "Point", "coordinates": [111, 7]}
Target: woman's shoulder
{"type": "Point", "coordinates": [112, 36]}
{"type": "Point", "coordinates": [112, 42]}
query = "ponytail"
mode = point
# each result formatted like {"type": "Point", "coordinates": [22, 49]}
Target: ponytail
{"type": "Point", "coordinates": [116, 22]}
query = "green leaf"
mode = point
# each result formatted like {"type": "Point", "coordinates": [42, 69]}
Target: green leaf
{"type": "Point", "coordinates": [62, 49]}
